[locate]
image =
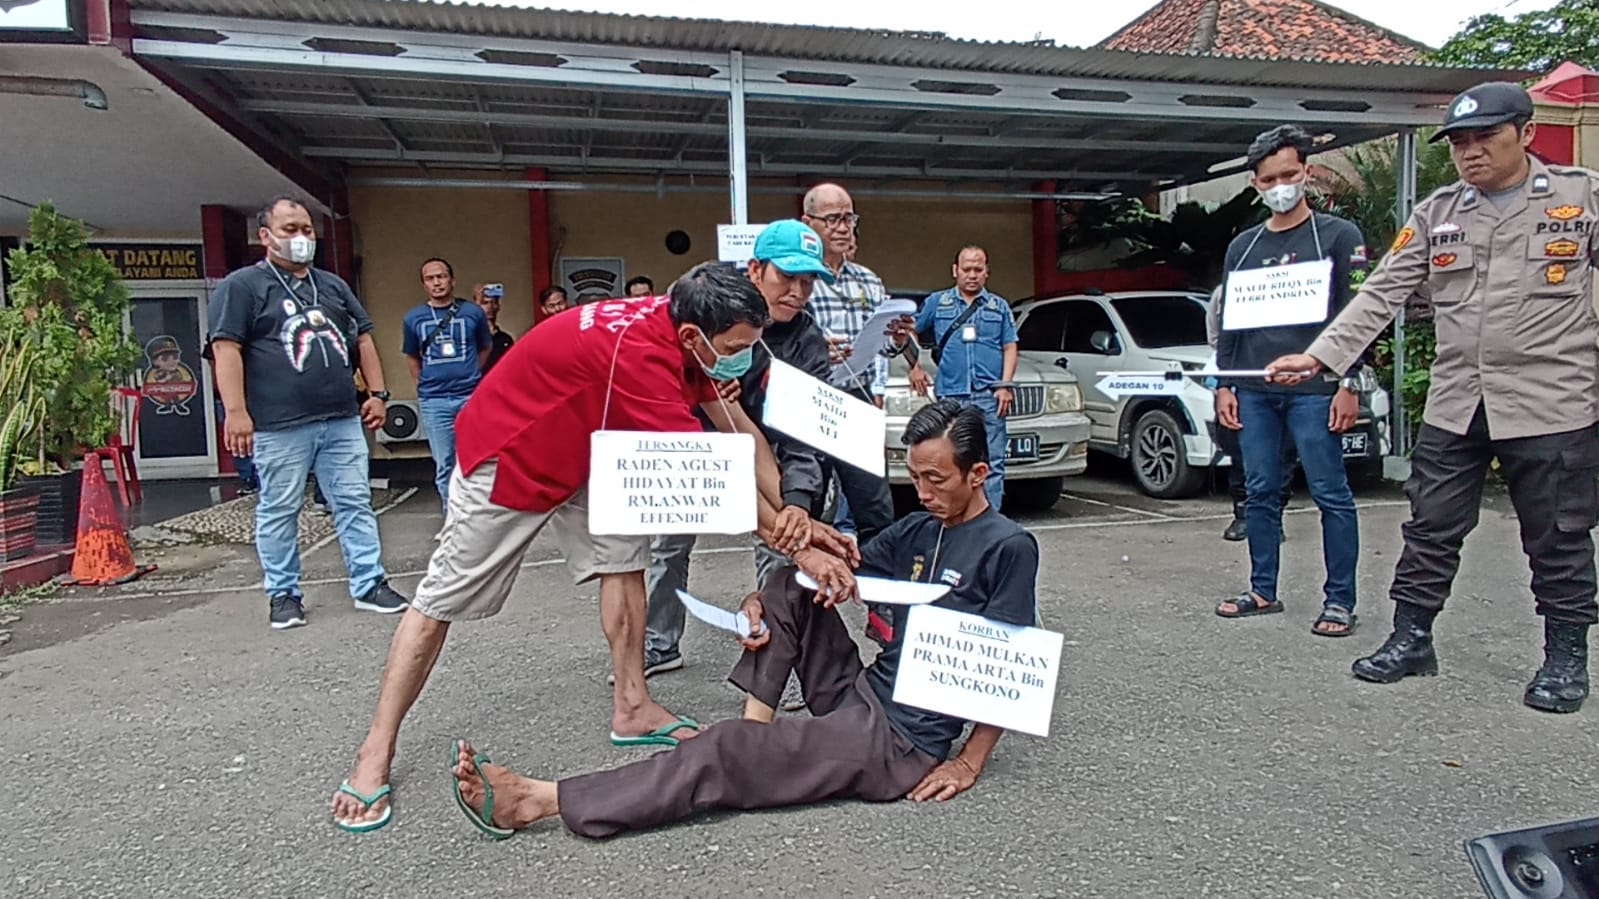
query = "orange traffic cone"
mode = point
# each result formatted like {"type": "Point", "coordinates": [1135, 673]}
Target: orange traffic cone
{"type": "Point", "coordinates": [104, 556]}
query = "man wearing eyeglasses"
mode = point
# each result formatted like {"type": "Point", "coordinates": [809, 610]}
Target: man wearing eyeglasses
{"type": "Point", "coordinates": [841, 310]}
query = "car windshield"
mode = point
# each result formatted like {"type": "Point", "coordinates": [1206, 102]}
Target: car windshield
{"type": "Point", "coordinates": [1156, 323]}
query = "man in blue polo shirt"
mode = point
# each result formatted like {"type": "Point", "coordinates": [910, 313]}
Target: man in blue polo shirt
{"type": "Point", "coordinates": [974, 347]}
{"type": "Point", "coordinates": [447, 343]}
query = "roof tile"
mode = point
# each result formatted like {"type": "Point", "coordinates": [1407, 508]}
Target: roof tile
{"type": "Point", "coordinates": [1305, 30]}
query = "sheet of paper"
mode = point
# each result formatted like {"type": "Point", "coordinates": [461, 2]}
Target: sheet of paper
{"type": "Point", "coordinates": [977, 669]}
{"type": "Point", "coordinates": [1296, 294]}
{"type": "Point", "coordinates": [869, 344]}
{"type": "Point", "coordinates": [733, 622]}
{"type": "Point", "coordinates": [888, 591]}
{"type": "Point", "coordinates": [641, 482]}
{"type": "Point", "coordinates": [846, 428]}
{"type": "Point", "coordinates": [736, 243]}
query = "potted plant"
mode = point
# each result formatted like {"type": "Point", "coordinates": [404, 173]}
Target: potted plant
{"type": "Point", "coordinates": [69, 306]}
{"type": "Point", "coordinates": [21, 413]}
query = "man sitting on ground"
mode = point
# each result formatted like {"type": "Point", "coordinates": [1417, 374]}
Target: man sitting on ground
{"type": "Point", "coordinates": [859, 742]}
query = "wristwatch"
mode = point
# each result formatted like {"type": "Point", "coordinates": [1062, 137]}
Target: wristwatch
{"type": "Point", "coordinates": [380, 394]}
{"type": "Point", "coordinates": [1350, 384]}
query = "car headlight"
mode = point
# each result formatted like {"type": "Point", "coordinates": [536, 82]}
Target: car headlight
{"type": "Point", "coordinates": [903, 405]}
{"type": "Point", "coordinates": [1063, 398]}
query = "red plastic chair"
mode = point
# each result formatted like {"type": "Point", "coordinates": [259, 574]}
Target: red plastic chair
{"type": "Point", "coordinates": [123, 443]}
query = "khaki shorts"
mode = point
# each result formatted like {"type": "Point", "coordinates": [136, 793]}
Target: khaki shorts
{"type": "Point", "coordinates": [482, 545]}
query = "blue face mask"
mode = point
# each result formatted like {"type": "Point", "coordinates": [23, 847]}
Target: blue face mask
{"type": "Point", "coordinates": [728, 368]}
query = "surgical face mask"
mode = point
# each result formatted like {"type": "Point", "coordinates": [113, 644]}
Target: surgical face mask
{"type": "Point", "coordinates": [728, 368]}
{"type": "Point", "coordinates": [298, 249]}
{"type": "Point", "coordinates": [1283, 197]}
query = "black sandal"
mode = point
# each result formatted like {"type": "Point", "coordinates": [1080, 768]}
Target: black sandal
{"type": "Point", "coordinates": [1335, 615]}
{"type": "Point", "coordinates": [1246, 605]}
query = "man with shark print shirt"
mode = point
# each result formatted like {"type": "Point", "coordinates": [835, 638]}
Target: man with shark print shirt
{"type": "Point", "coordinates": [286, 339]}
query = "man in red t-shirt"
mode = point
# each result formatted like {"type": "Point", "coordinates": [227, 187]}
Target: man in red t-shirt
{"type": "Point", "coordinates": [522, 462]}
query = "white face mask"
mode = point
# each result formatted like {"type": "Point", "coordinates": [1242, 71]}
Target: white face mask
{"type": "Point", "coordinates": [1283, 197]}
{"type": "Point", "coordinates": [298, 249]}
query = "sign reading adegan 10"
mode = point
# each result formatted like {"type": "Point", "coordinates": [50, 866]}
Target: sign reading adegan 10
{"type": "Point", "coordinates": [643, 482]}
{"type": "Point", "coordinates": [977, 669]}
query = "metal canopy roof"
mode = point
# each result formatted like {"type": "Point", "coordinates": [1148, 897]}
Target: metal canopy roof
{"type": "Point", "coordinates": [367, 82]}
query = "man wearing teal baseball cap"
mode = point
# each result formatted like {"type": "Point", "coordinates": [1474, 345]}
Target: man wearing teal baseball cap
{"type": "Point", "coordinates": [787, 262]}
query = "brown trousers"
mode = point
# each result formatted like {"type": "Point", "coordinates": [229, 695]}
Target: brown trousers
{"type": "Point", "coordinates": [847, 749]}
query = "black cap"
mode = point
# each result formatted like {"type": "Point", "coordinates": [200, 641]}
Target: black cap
{"type": "Point", "coordinates": [1486, 106]}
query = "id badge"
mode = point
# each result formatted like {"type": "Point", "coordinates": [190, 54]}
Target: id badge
{"type": "Point", "coordinates": [969, 333]}
{"type": "Point", "coordinates": [447, 348]}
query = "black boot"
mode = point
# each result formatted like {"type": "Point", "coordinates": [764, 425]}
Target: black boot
{"type": "Point", "coordinates": [1408, 649]}
{"type": "Point", "coordinates": [1562, 683]}
{"type": "Point", "coordinates": [1239, 529]}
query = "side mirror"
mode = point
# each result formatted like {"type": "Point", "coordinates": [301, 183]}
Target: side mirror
{"type": "Point", "coordinates": [1104, 342]}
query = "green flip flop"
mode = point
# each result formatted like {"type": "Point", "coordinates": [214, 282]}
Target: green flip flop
{"type": "Point", "coordinates": [485, 821]}
{"type": "Point", "coordinates": [661, 736]}
{"type": "Point", "coordinates": [366, 803]}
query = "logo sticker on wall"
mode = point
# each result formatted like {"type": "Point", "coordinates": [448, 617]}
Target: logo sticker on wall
{"type": "Point", "coordinates": [169, 384]}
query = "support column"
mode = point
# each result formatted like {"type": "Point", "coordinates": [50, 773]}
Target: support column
{"type": "Point", "coordinates": [222, 240]}
{"type": "Point", "coordinates": [1405, 203]}
{"type": "Point", "coordinates": [538, 230]}
{"type": "Point", "coordinates": [340, 231]}
{"type": "Point", "coordinates": [737, 162]}
{"type": "Point", "coordinates": [1046, 238]}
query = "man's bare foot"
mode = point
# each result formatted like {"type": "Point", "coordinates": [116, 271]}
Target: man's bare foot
{"type": "Point", "coordinates": [518, 801]}
{"type": "Point", "coordinates": [647, 718]}
{"type": "Point", "coordinates": [370, 775]}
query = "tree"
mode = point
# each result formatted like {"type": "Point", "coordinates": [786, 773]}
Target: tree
{"type": "Point", "coordinates": [1538, 41]}
{"type": "Point", "coordinates": [69, 307]}
{"type": "Point", "coordinates": [1364, 186]}
{"type": "Point", "coordinates": [1194, 239]}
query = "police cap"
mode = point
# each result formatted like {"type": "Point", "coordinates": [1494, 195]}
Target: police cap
{"type": "Point", "coordinates": [162, 345]}
{"type": "Point", "coordinates": [1486, 106]}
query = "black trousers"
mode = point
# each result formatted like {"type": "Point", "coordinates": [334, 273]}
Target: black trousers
{"type": "Point", "coordinates": [1227, 438]}
{"type": "Point", "coordinates": [1554, 486]}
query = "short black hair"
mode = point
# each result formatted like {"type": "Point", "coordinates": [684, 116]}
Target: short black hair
{"type": "Point", "coordinates": [1283, 137]}
{"type": "Point", "coordinates": [962, 424]}
{"type": "Point", "coordinates": [263, 216]}
{"type": "Point", "coordinates": [552, 290]}
{"type": "Point", "coordinates": [440, 259]}
{"type": "Point", "coordinates": [714, 296]}
{"type": "Point", "coordinates": [639, 279]}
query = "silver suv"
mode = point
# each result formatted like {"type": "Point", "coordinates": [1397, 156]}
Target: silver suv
{"type": "Point", "coordinates": [1169, 440]}
{"type": "Point", "coordinates": [1047, 428]}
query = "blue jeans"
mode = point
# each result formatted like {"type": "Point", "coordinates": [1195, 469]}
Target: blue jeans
{"type": "Point", "coordinates": [1270, 419]}
{"type": "Point", "coordinates": [998, 444]}
{"type": "Point", "coordinates": [438, 419]}
{"type": "Point", "coordinates": [337, 451]}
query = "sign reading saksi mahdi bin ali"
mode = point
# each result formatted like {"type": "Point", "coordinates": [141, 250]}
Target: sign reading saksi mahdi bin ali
{"type": "Point", "coordinates": [981, 670]}
{"type": "Point", "coordinates": [643, 482]}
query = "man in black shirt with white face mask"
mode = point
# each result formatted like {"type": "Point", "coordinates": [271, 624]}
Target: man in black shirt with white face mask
{"type": "Point", "coordinates": [1258, 327]}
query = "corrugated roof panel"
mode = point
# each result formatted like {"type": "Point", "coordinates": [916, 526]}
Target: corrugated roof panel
{"type": "Point", "coordinates": [929, 50]}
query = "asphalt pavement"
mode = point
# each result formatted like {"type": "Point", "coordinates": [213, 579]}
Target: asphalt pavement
{"type": "Point", "coordinates": [160, 740]}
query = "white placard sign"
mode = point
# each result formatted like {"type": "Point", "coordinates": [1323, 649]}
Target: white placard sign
{"type": "Point", "coordinates": [38, 15]}
{"type": "Point", "coordinates": [1117, 386]}
{"type": "Point", "coordinates": [970, 667]}
{"type": "Point", "coordinates": [825, 417]}
{"type": "Point", "coordinates": [736, 243]}
{"type": "Point", "coordinates": [1295, 294]}
{"type": "Point", "coordinates": [645, 482]}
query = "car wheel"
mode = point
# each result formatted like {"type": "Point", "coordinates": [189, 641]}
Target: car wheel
{"type": "Point", "coordinates": [1160, 462]}
{"type": "Point", "coordinates": [1036, 495]}
{"type": "Point", "coordinates": [1364, 474]}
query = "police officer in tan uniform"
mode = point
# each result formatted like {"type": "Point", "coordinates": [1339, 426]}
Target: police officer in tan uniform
{"type": "Point", "coordinates": [1507, 257]}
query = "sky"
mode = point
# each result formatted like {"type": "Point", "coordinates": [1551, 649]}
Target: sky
{"type": "Point", "coordinates": [1068, 22]}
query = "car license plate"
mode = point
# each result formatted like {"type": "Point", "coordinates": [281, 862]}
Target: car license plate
{"type": "Point", "coordinates": [1022, 446]}
{"type": "Point", "coordinates": [1355, 444]}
